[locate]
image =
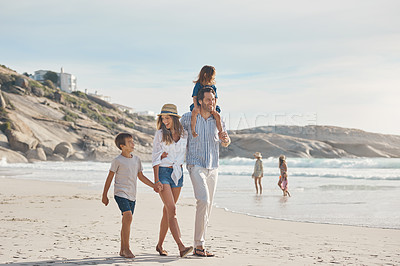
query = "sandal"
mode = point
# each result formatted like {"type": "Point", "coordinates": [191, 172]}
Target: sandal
{"type": "Point", "coordinates": [162, 252]}
{"type": "Point", "coordinates": [186, 251]}
{"type": "Point", "coordinates": [202, 253]}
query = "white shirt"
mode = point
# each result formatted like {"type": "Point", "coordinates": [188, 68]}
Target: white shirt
{"type": "Point", "coordinates": [176, 154]}
{"type": "Point", "coordinates": [126, 171]}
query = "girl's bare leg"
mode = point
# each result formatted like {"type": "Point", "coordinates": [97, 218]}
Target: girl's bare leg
{"type": "Point", "coordinates": [193, 123]}
{"type": "Point", "coordinates": [218, 122]}
{"type": "Point", "coordinates": [255, 183]}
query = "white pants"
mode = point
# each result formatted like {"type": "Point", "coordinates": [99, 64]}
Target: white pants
{"type": "Point", "coordinates": [204, 184]}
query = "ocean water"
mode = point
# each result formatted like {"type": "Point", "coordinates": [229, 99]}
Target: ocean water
{"type": "Point", "coordinates": [360, 192]}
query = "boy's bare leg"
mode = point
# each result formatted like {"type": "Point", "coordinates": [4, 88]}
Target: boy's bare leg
{"type": "Point", "coordinates": [193, 123]}
{"type": "Point", "coordinates": [125, 232]}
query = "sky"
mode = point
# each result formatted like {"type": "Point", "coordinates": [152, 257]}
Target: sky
{"type": "Point", "coordinates": [307, 62]}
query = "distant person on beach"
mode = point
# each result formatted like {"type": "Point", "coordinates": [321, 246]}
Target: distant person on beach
{"type": "Point", "coordinates": [258, 172]}
{"type": "Point", "coordinates": [206, 78]}
{"type": "Point", "coordinates": [202, 163]}
{"type": "Point", "coordinates": [283, 178]}
{"type": "Point", "coordinates": [169, 149]}
{"type": "Point", "coordinates": [127, 168]}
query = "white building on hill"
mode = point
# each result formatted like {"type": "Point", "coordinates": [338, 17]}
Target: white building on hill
{"type": "Point", "coordinates": [67, 81]}
{"type": "Point", "coordinates": [124, 108]}
{"type": "Point", "coordinates": [102, 97]}
{"type": "Point", "coordinates": [39, 75]}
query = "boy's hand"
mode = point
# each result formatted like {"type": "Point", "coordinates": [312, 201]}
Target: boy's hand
{"type": "Point", "coordinates": [105, 200]}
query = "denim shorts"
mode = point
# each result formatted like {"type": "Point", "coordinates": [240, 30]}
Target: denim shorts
{"type": "Point", "coordinates": [164, 175]}
{"type": "Point", "coordinates": [125, 204]}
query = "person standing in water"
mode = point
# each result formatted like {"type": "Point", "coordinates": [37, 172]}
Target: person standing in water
{"type": "Point", "coordinates": [283, 178]}
{"type": "Point", "coordinates": [258, 172]}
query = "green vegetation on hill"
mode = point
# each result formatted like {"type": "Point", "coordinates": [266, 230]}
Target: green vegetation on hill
{"type": "Point", "coordinates": [76, 103]}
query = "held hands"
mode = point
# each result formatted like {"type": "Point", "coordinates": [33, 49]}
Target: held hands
{"type": "Point", "coordinates": [105, 200]}
{"type": "Point", "coordinates": [158, 187]}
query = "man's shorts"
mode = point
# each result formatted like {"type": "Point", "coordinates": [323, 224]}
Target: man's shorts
{"type": "Point", "coordinates": [164, 175]}
{"type": "Point", "coordinates": [125, 204]}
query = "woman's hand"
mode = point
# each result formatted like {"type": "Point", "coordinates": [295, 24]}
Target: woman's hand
{"type": "Point", "coordinates": [158, 187]}
{"type": "Point", "coordinates": [164, 155]}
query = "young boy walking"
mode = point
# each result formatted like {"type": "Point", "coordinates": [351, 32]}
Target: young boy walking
{"type": "Point", "coordinates": [127, 168]}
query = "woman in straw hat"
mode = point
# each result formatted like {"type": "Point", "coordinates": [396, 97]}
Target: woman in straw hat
{"type": "Point", "coordinates": [258, 172]}
{"type": "Point", "coordinates": [169, 148]}
{"type": "Point", "coordinates": [283, 178]}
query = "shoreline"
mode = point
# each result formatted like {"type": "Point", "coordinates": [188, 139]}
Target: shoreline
{"type": "Point", "coordinates": [65, 223]}
{"type": "Point", "coordinates": [295, 221]}
{"type": "Point", "coordinates": [93, 187]}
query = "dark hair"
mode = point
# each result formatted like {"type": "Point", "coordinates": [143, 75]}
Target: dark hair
{"type": "Point", "coordinates": [166, 133]}
{"type": "Point", "coordinates": [120, 139]}
{"type": "Point", "coordinates": [206, 76]}
{"type": "Point", "coordinates": [200, 95]}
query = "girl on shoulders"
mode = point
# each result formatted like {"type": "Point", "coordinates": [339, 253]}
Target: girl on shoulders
{"type": "Point", "coordinates": [206, 78]}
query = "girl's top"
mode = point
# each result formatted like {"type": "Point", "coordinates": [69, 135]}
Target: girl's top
{"type": "Point", "coordinates": [283, 169]}
{"type": "Point", "coordinates": [198, 87]}
{"type": "Point", "coordinates": [258, 169]}
{"type": "Point", "coordinates": [196, 90]}
{"type": "Point", "coordinates": [176, 154]}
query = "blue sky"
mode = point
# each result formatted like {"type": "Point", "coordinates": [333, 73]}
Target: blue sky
{"type": "Point", "coordinates": [293, 62]}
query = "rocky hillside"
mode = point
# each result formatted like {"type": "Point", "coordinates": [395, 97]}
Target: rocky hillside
{"type": "Point", "coordinates": [40, 122]}
{"type": "Point", "coordinates": [311, 141]}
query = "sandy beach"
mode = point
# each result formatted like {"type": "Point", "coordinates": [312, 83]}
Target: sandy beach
{"type": "Point", "coordinates": [63, 223]}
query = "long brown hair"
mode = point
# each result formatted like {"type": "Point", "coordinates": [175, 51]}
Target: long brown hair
{"type": "Point", "coordinates": [206, 76]}
{"type": "Point", "coordinates": [166, 133]}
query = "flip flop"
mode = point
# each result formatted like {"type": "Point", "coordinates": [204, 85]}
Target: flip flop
{"type": "Point", "coordinates": [203, 253]}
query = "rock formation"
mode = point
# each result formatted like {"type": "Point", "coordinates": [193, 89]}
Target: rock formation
{"type": "Point", "coordinates": [40, 123]}
{"type": "Point", "coordinates": [311, 141]}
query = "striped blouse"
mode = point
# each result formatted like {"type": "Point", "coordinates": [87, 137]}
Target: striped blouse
{"type": "Point", "coordinates": [203, 150]}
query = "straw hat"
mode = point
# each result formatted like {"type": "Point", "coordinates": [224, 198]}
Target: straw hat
{"type": "Point", "coordinates": [258, 155]}
{"type": "Point", "coordinates": [282, 157]}
{"type": "Point", "coordinates": [169, 109]}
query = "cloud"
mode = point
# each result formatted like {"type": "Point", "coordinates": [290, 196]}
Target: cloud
{"type": "Point", "coordinates": [336, 59]}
